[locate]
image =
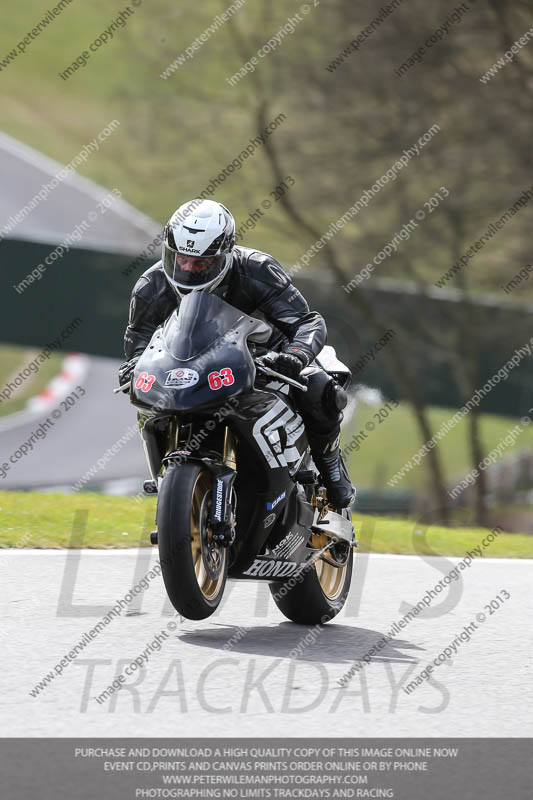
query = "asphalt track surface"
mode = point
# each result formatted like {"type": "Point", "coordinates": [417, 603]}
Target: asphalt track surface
{"type": "Point", "coordinates": [24, 172]}
{"type": "Point", "coordinates": [82, 436]}
{"type": "Point", "coordinates": [78, 439]}
{"type": "Point", "coordinates": [233, 674]}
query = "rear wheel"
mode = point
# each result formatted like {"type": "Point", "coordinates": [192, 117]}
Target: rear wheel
{"type": "Point", "coordinates": [193, 566]}
{"type": "Point", "coordinates": [320, 592]}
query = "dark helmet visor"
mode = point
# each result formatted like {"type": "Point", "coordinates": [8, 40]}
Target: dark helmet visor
{"type": "Point", "coordinates": [190, 271]}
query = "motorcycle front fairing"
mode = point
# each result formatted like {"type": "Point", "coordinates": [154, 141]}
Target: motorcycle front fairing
{"type": "Point", "coordinates": [195, 364]}
{"type": "Point", "coordinates": [199, 358]}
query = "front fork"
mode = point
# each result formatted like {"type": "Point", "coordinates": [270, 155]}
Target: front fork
{"type": "Point", "coordinates": [222, 510]}
{"type": "Point", "coordinates": [222, 515]}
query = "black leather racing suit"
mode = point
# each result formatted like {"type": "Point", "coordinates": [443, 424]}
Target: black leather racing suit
{"type": "Point", "coordinates": [257, 285]}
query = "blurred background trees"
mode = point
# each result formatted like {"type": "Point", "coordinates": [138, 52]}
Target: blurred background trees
{"type": "Point", "coordinates": [344, 128]}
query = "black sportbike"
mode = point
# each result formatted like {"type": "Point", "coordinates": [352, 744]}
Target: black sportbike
{"type": "Point", "coordinates": [238, 493]}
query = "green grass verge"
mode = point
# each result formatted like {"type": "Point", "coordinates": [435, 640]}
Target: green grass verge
{"type": "Point", "coordinates": [406, 537]}
{"type": "Point", "coordinates": [394, 440]}
{"type": "Point", "coordinates": [48, 520]}
{"type": "Point", "coordinates": [34, 519]}
{"type": "Point", "coordinates": [12, 361]}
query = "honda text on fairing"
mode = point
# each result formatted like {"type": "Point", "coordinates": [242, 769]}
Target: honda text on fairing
{"type": "Point", "coordinates": [238, 493]}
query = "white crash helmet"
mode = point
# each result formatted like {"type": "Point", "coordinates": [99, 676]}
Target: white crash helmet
{"type": "Point", "coordinates": [198, 246]}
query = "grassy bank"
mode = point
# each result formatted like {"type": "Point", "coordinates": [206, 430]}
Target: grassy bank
{"type": "Point", "coordinates": [13, 361]}
{"type": "Point", "coordinates": [406, 537]}
{"type": "Point", "coordinates": [34, 519]}
{"type": "Point", "coordinates": [95, 520]}
{"type": "Point", "coordinates": [376, 456]}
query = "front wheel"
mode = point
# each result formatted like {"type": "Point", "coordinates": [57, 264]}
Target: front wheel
{"type": "Point", "coordinates": [320, 592]}
{"type": "Point", "coordinates": [193, 566]}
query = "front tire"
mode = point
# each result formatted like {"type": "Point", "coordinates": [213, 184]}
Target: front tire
{"type": "Point", "coordinates": [193, 566]}
{"type": "Point", "coordinates": [321, 592]}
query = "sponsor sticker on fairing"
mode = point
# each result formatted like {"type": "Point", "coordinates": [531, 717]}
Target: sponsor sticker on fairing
{"type": "Point", "coordinates": [219, 498]}
{"type": "Point", "coordinates": [273, 503]}
{"type": "Point", "coordinates": [271, 568]}
{"type": "Point", "coordinates": [288, 545]}
{"type": "Point", "coordinates": [182, 378]}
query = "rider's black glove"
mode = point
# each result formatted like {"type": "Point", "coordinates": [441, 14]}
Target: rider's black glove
{"type": "Point", "coordinates": [125, 371]}
{"type": "Point", "coordinates": [302, 355]}
{"type": "Point", "coordinates": [290, 362]}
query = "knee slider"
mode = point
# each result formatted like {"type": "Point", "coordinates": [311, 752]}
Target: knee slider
{"type": "Point", "coordinates": [335, 398]}
{"type": "Point", "coordinates": [311, 402]}
{"type": "Point", "coordinates": [324, 400]}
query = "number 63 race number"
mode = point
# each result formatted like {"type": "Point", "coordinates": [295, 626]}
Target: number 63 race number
{"type": "Point", "coordinates": [224, 377]}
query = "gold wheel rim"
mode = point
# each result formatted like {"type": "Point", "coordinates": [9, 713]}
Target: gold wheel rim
{"type": "Point", "coordinates": [209, 559]}
{"type": "Point", "coordinates": [331, 578]}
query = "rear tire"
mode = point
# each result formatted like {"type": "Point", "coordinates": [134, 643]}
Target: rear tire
{"type": "Point", "coordinates": [193, 567]}
{"type": "Point", "coordinates": [320, 594]}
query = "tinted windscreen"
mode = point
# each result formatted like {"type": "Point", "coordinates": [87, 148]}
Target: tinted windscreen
{"type": "Point", "coordinates": [201, 319]}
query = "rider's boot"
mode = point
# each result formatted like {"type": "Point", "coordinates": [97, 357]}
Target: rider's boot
{"type": "Point", "coordinates": [327, 457]}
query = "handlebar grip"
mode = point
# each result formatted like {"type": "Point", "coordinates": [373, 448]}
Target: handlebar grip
{"type": "Point", "coordinates": [121, 388]}
{"type": "Point", "coordinates": [283, 378]}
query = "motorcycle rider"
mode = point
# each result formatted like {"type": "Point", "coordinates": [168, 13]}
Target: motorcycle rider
{"type": "Point", "coordinates": [199, 254]}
